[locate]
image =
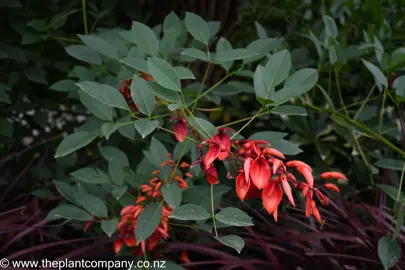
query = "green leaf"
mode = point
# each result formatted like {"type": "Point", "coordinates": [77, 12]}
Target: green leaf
{"type": "Point", "coordinates": [36, 75]}
{"type": "Point", "coordinates": [117, 192]}
{"type": "Point", "coordinates": [271, 136]}
{"type": "Point", "coordinates": [91, 175]}
{"type": "Point", "coordinates": [38, 25]}
{"type": "Point", "coordinates": [378, 49]}
{"type": "Point", "coordinates": [145, 38]}
{"type": "Point", "coordinates": [164, 74]}
{"type": "Point", "coordinates": [4, 98]}
{"type": "Point", "coordinates": [399, 85]}
{"type": "Point", "coordinates": [261, 47]}
{"type": "Point", "coordinates": [93, 205]}
{"type": "Point", "coordinates": [392, 192]}
{"type": "Point", "coordinates": [137, 63]}
{"type": "Point", "coordinates": [330, 26]}
{"type": "Point", "coordinates": [142, 95]}
{"type": "Point", "coordinates": [163, 93]}
{"type": "Point", "coordinates": [64, 85]}
{"type": "Point", "coordinates": [205, 128]}
{"type": "Point", "coordinates": [172, 21]}
{"type": "Point", "coordinates": [128, 131]}
{"type": "Point", "coordinates": [104, 93]}
{"type": "Point", "coordinates": [190, 212]}
{"type": "Point", "coordinates": [109, 128]}
{"type": "Point", "coordinates": [261, 32]}
{"type": "Point", "coordinates": [298, 84]}
{"type": "Point", "coordinates": [184, 73]}
{"type": "Point", "coordinates": [232, 241]}
{"type": "Point", "coordinates": [148, 221]}
{"type": "Point", "coordinates": [59, 19]}
{"type": "Point", "coordinates": [116, 172]}
{"type": "Point", "coordinates": [168, 43]}
{"type": "Point", "coordinates": [100, 45]}
{"type": "Point", "coordinates": [67, 191]}
{"type": "Point", "coordinates": [224, 45]}
{"type": "Point", "coordinates": [68, 211]}
{"type": "Point", "coordinates": [234, 217]}
{"type": "Point", "coordinates": [287, 147]}
{"type": "Point", "coordinates": [113, 154]}
{"type": "Point", "coordinates": [397, 58]}
{"type": "Point", "coordinates": [289, 110]}
{"type": "Point", "coordinates": [393, 164]}
{"type": "Point", "coordinates": [146, 127]}
{"type": "Point", "coordinates": [100, 110]}
{"type": "Point", "coordinates": [84, 54]}
{"type": "Point", "coordinates": [276, 71]}
{"type": "Point", "coordinates": [195, 54]}
{"type": "Point", "coordinates": [389, 251]}
{"type": "Point", "coordinates": [197, 27]}
{"type": "Point", "coordinates": [172, 194]}
{"type": "Point", "coordinates": [73, 142]}
{"type": "Point", "coordinates": [179, 148]}
{"type": "Point", "coordinates": [235, 54]}
{"type": "Point", "coordinates": [109, 226]}
{"type": "Point", "coordinates": [378, 75]}
{"type": "Point", "coordinates": [259, 83]}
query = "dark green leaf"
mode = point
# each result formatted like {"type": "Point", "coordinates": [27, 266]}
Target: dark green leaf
{"type": "Point", "coordinates": [232, 241]}
{"type": "Point", "coordinates": [287, 147]}
{"type": "Point", "coordinates": [330, 26]}
{"type": "Point", "coordinates": [100, 110]}
{"type": "Point", "coordinates": [289, 110]}
{"type": "Point", "coordinates": [389, 251]}
{"type": "Point", "coordinates": [117, 192]}
{"type": "Point", "coordinates": [235, 54]}
{"type": "Point", "coordinates": [224, 45]}
{"type": "Point", "coordinates": [378, 75]}
{"type": "Point", "coordinates": [195, 54]}
{"type": "Point", "coordinates": [234, 217]}
{"type": "Point", "coordinates": [148, 221]}
{"type": "Point", "coordinates": [197, 27]}
{"type": "Point", "coordinates": [393, 164]}
{"type": "Point", "coordinates": [116, 172]}
{"type": "Point", "coordinates": [190, 212]}
{"type": "Point", "coordinates": [142, 95]}
{"type": "Point", "coordinates": [84, 54]}
{"type": "Point", "coordinates": [164, 74]}
{"type": "Point", "coordinates": [205, 128]}
{"type": "Point", "coordinates": [59, 19]}
{"type": "Point", "coordinates": [184, 73]}
{"type": "Point", "coordinates": [93, 205]}
{"type": "Point", "coordinates": [73, 142]}
{"type": "Point", "coordinates": [137, 63]}
{"type": "Point", "coordinates": [109, 128]}
{"type": "Point", "coordinates": [6, 128]}
{"type": "Point", "coordinates": [109, 226]}
{"type": "Point", "coordinates": [172, 194]}
{"type": "Point", "coordinates": [392, 192]}
{"type": "Point", "coordinates": [113, 154]}
{"type": "Point", "coordinates": [146, 127]}
{"type": "Point", "coordinates": [271, 136]}
{"type": "Point", "coordinates": [164, 93]}
{"type": "Point", "coordinates": [104, 93]}
{"type": "Point", "coordinates": [399, 221]}
{"type": "Point", "coordinates": [64, 85]}
{"type": "Point", "coordinates": [91, 175]}
{"type": "Point", "coordinates": [100, 45]}
{"type": "Point", "coordinates": [145, 38]}
{"type": "Point", "coordinates": [68, 211]}
{"type": "Point", "coordinates": [67, 191]}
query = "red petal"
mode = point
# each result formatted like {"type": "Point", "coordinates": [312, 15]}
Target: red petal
{"type": "Point", "coordinates": [253, 192]}
{"type": "Point", "coordinates": [322, 198]}
{"type": "Point", "coordinates": [242, 187]}
{"type": "Point", "coordinates": [297, 163]}
{"type": "Point", "coordinates": [246, 168]}
{"type": "Point", "coordinates": [307, 173]}
{"type": "Point", "coordinates": [271, 202]}
{"type": "Point", "coordinates": [226, 143]}
{"type": "Point", "coordinates": [211, 175]}
{"type": "Point", "coordinates": [328, 175]}
{"type": "Point", "coordinates": [332, 187]}
{"type": "Point", "coordinates": [287, 189]}
{"type": "Point", "coordinates": [117, 246]}
{"type": "Point", "coordinates": [273, 152]}
{"type": "Point", "coordinates": [181, 130]}
{"type": "Point", "coordinates": [308, 208]}
{"type": "Point", "coordinates": [276, 164]}
{"type": "Point", "coordinates": [211, 155]}
{"type": "Point", "coordinates": [260, 172]}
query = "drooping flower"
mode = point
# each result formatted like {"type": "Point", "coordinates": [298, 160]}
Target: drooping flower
{"type": "Point", "coordinates": [330, 175]}
{"type": "Point", "coordinates": [242, 186]}
{"type": "Point", "coordinates": [180, 129]}
{"type": "Point", "coordinates": [271, 197]}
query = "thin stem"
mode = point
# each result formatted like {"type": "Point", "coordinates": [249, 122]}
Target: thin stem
{"type": "Point", "coordinates": [195, 119]}
{"type": "Point", "coordinates": [340, 92]}
{"type": "Point", "coordinates": [202, 86]}
{"type": "Point", "coordinates": [86, 31]}
{"type": "Point", "coordinates": [256, 115]}
{"type": "Point", "coordinates": [400, 183]}
{"type": "Point", "coordinates": [363, 156]}
{"type": "Point", "coordinates": [382, 110]}
{"type": "Point", "coordinates": [178, 161]}
{"type": "Point", "coordinates": [364, 102]}
{"type": "Point", "coordinates": [208, 90]}
{"type": "Point", "coordinates": [172, 132]}
{"type": "Point", "coordinates": [241, 120]}
{"type": "Point", "coordinates": [213, 210]}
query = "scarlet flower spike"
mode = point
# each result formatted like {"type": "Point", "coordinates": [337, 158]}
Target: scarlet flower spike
{"type": "Point", "coordinates": [329, 175]}
{"type": "Point", "coordinates": [260, 172]}
{"type": "Point", "coordinates": [273, 152]}
{"type": "Point", "coordinates": [322, 198]}
{"type": "Point", "coordinates": [307, 173]}
{"type": "Point", "coordinates": [332, 187]}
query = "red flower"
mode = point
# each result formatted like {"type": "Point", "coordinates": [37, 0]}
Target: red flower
{"type": "Point", "coordinates": [260, 172]}
{"type": "Point", "coordinates": [271, 196]}
{"type": "Point", "coordinates": [242, 186]}
{"type": "Point", "coordinates": [146, 76]}
{"type": "Point", "coordinates": [336, 175]}
{"type": "Point", "coordinates": [181, 130]}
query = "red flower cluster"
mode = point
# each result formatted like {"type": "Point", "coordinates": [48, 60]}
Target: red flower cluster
{"type": "Point", "coordinates": [126, 91]}
{"type": "Point", "coordinates": [130, 214]}
{"type": "Point", "coordinates": [263, 173]}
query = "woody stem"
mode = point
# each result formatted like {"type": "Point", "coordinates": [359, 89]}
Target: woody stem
{"type": "Point", "coordinates": [213, 210]}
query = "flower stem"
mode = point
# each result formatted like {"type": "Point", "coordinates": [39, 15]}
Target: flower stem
{"type": "Point", "coordinates": [202, 86]}
{"type": "Point", "coordinates": [213, 210]}
{"type": "Point", "coordinates": [400, 183]}
{"type": "Point", "coordinates": [86, 31]}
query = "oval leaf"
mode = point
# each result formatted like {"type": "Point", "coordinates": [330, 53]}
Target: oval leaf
{"type": "Point", "coordinates": [145, 38]}
{"type": "Point", "coordinates": [109, 226]}
{"type": "Point", "coordinates": [74, 142]}
{"type": "Point", "coordinates": [190, 212]}
{"type": "Point", "coordinates": [93, 205]}
{"type": "Point", "coordinates": [68, 211]}
{"type": "Point", "coordinates": [389, 251]}
{"type": "Point", "coordinates": [234, 217]}
{"type": "Point", "coordinates": [146, 127]}
{"type": "Point", "coordinates": [232, 241]}
{"type": "Point", "coordinates": [142, 95]}
{"type": "Point", "coordinates": [197, 27]}
{"type": "Point", "coordinates": [172, 194]}
{"type": "Point", "coordinates": [148, 221]}
{"type": "Point", "coordinates": [164, 74]}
